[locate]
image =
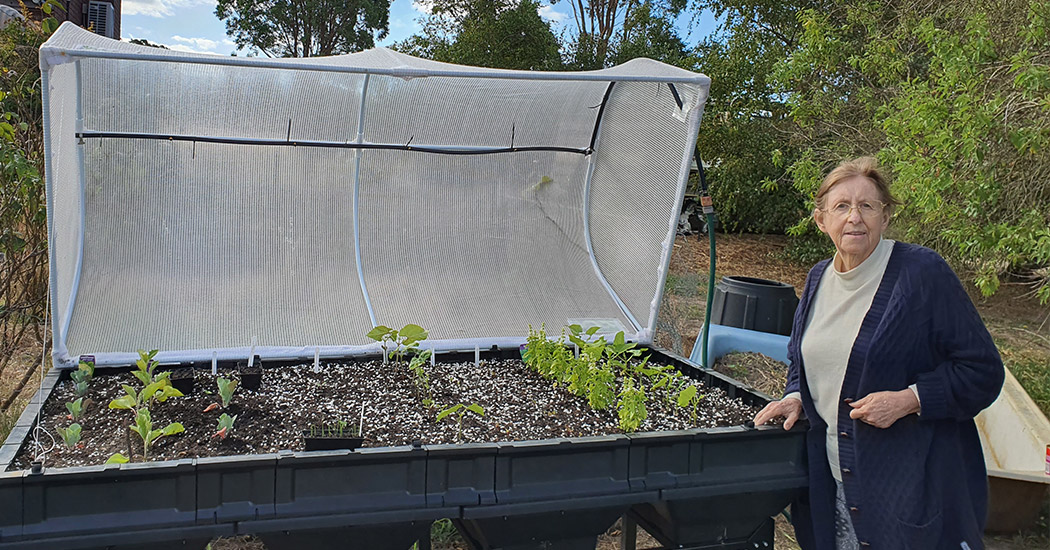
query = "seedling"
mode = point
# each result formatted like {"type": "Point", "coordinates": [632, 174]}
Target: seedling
{"type": "Point", "coordinates": [460, 410]}
{"type": "Point", "coordinates": [82, 377]}
{"type": "Point", "coordinates": [226, 389]}
{"type": "Point", "coordinates": [339, 428]}
{"type": "Point", "coordinates": [690, 397]}
{"type": "Point", "coordinates": [76, 408]}
{"type": "Point", "coordinates": [422, 378]}
{"type": "Point", "coordinates": [631, 410]}
{"type": "Point", "coordinates": [225, 425]}
{"type": "Point", "coordinates": [117, 458]}
{"type": "Point", "coordinates": [144, 427]}
{"type": "Point", "coordinates": [70, 435]}
{"type": "Point", "coordinates": [156, 387]}
{"type": "Point", "coordinates": [402, 341]}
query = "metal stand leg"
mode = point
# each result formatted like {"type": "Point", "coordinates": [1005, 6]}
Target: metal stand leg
{"type": "Point", "coordinates": [629, 533]}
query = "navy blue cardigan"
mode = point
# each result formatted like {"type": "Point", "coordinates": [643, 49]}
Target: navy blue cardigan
{"type": "Point", "coordinates": [921, 483]}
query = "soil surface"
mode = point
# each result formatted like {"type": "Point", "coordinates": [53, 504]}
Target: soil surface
{"type": "Point", "coordinates": [518, 405]}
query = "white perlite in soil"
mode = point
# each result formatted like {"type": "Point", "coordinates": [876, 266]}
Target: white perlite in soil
{"type": "Point", "coordinates": [518, 405]}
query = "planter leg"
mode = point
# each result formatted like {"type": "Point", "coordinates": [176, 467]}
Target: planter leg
{"type": "Point", "coordinates": [628, 533]}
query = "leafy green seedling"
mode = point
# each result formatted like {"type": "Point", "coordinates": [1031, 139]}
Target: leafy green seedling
{"type": "Point", "coordinates": [70, 435]}
{"type": "Point", "coordinates": [631, 410]}
{"type": "Point", "coordinates": [225, 425]}
{"type": "Point", "coordinates": [422, 378]}
{"type": "Point", "coordinates": [460, 410]}
{"type": "Point", "coordinates": [226, 389]}
{"type": "Point", "coordinates": [144, 427]}
{"type": "Point", "coordinates": [82, 377]}
{"type": "Point", "coordinates": [690, 397]}
{"type": "Point", "coordinates": [117, 458]}
{"type": "Point", "coordinates": [404, 340]}
{"type": "Point", "coordinates": [156, 387]}
{"type": "Point", "coordinates": [76, 408]}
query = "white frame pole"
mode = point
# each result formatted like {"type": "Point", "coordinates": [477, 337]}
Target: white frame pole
{"type": "Point", "coordinates": [357, 194]}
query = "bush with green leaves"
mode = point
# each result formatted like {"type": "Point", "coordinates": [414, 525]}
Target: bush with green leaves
{"type": "Point", "coordinates": [156, 388]}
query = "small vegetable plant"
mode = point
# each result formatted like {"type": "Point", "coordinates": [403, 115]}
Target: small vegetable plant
{"type": "Point", "coordinates": [82, 377]}
{"type": "Point", "coordinates": [225, 425]}
{"type": "Point", "coordinates": [156, 388]}
{"type": "Point", "coordinates": [631, 407]}
{"type": "Point", "coordinates": [76, 408]}
{"type": "Point", "coordinates": [460, 410]}
{"type": "Point", "coordinates": [690, 398]}
{"type": "Point", "coordinates": [339, 428]}
{"type": "Point", "coordinates": [396, 343]}
{"type": "Point", "coordinates": [421, 378]}
{"type": "Point", "coordinates": [226, 389]}
{"type": "Point", "coordinates": [70, 435]}
{"type": "Point", "coordinates": [144, 427]}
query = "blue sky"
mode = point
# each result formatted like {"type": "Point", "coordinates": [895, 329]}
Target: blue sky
{"type": "Point", "coordinates": [191, 25]}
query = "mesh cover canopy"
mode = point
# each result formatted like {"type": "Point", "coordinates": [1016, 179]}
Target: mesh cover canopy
{"type": "Point", "coordinates": [207, 206]}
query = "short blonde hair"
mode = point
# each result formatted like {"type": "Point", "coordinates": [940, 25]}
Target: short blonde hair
{"type": "Point", "coordinates": [866, 167]}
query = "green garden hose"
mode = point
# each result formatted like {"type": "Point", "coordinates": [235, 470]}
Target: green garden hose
{"type": "Point", "coordinates": [709, 215]}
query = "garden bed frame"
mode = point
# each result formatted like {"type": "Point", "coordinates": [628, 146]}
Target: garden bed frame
{"type": "Point", "coordinates": [711, 488]}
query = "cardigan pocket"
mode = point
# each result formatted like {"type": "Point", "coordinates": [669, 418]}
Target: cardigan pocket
{"type": "Point", "coordinates": [921, 537]}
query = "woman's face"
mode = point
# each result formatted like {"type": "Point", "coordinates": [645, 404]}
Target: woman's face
{"type": "Point", "coordinates": [856, 225]}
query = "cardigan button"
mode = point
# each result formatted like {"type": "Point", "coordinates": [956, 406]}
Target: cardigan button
{"type": "Point", "coordinates": [844, 434]}
{"type": "Point", "coordinates": [865, 544]}
{"type": "Point", "coordinates": [854, 509]}
{"type": "Point", "coordinates": [847, 471]}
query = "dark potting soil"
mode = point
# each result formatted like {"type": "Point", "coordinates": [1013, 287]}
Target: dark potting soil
{"type": "Point", "coordinates": [518, 405]}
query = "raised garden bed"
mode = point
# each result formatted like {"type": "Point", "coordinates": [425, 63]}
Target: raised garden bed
{"type": "Point", "coordinates": [518, 405]}
{"type": "Point", "coordinates": [501, 491]}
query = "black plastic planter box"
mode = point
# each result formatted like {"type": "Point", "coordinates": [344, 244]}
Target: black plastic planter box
{"type": "Point", "coordinates": [715, 487]}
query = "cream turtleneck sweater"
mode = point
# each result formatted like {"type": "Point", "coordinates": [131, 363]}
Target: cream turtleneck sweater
{"type": "Point", "coordinates": [839, 306]}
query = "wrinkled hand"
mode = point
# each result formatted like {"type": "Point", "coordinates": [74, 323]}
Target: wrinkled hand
{"type": "Point", "coordinates": [881, 409]}
{"type": "Point", "coordinates": [790, 409]}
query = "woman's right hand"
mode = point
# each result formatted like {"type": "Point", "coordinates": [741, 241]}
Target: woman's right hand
{"type": "Point", "coordinates": [789, 408]}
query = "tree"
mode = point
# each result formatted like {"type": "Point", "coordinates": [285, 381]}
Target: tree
{"type": "Point", "coordinates": [647, 33]}
{"type": "Point", "coordinates": [747, 124]}
{"type": "Point", "coordinates": [305, 28]}
{"type": "Point", "coordinates": [144, 42]}
{"type": "Point", "coordinates": [487, 33]}
{"type": "Point", "coordinates": [601, 24]}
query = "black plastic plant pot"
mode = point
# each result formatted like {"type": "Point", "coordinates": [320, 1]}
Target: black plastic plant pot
{"type": "Point", "coordinates": [330, 443]}
{"type": "Point", "coordinates": [251, 377]}
{"type": "Point", "coordinates": [182, 380]}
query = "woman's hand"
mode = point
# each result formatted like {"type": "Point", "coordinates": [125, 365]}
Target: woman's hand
{"type": "Point", "coordinates": [881, 409]}
{"type": "Point", "coordinates": [789, 408]}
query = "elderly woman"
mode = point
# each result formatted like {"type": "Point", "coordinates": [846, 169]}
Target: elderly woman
{"type": "Point", "coordinates": [890, 363]}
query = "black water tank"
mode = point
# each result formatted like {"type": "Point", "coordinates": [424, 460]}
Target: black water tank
{"type": "Point", "coordinates": [755, 304]}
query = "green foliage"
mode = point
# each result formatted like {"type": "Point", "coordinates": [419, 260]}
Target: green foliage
{"type": "Point", "coordinates": [155, 386]}
{"type": "Point", "coordinates": [650, 32]}
{"type": "Point", "coordinates": [82, 377]}
{"type": "Point", "coordinates": [952, 97]}
{"type": "Point", "coordinates": [459, 409]}
{"type": "Point", "coordinates": [225, 425]}
{"type": "Point", "coordinates": [143, 426]}
{"type": "Point", "coordinates": [506, 34]}
{"type": "Point", "coordinates": [226, 389]}
{"type": "Point", "coordinates": [23, 217]}
{"type": "Point", "coordinates": [690, 398]}
{"type": "Point", "coordinates": [339, 428]}
{"type": "Point", "coordinates": [304, 28]}
{"type": "Point", "coordinates": [420, 377]}
{"type": "Point", "coordinates": [76, 408]}
{"type": "Point", "coordinates": [631, 407]}
{"type": "Point", "coordinates": [70, 435]}
{"type": "Point", "coordinates": [745, 135]}
{"type": "Point", "coordinates": [117, 458]}
{"type": "Point", "coordinates": [403, 341]}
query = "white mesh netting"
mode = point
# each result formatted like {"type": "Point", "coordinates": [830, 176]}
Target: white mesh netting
{"type": "Point", "coordinates": [203, 205]}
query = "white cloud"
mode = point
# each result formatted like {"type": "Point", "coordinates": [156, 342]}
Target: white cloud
{"type": "Point", "coordinates": [423, 6]}
{"type": "Point", "coordinates": [158, 8]}
{"type": "Point", "coordinates": [197, 43]}
{"type": "Point", "coordinates": [547, 12]}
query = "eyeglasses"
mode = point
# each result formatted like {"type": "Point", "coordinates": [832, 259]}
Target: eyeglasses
{"type": "Point", "coordinates": [867, 209]}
